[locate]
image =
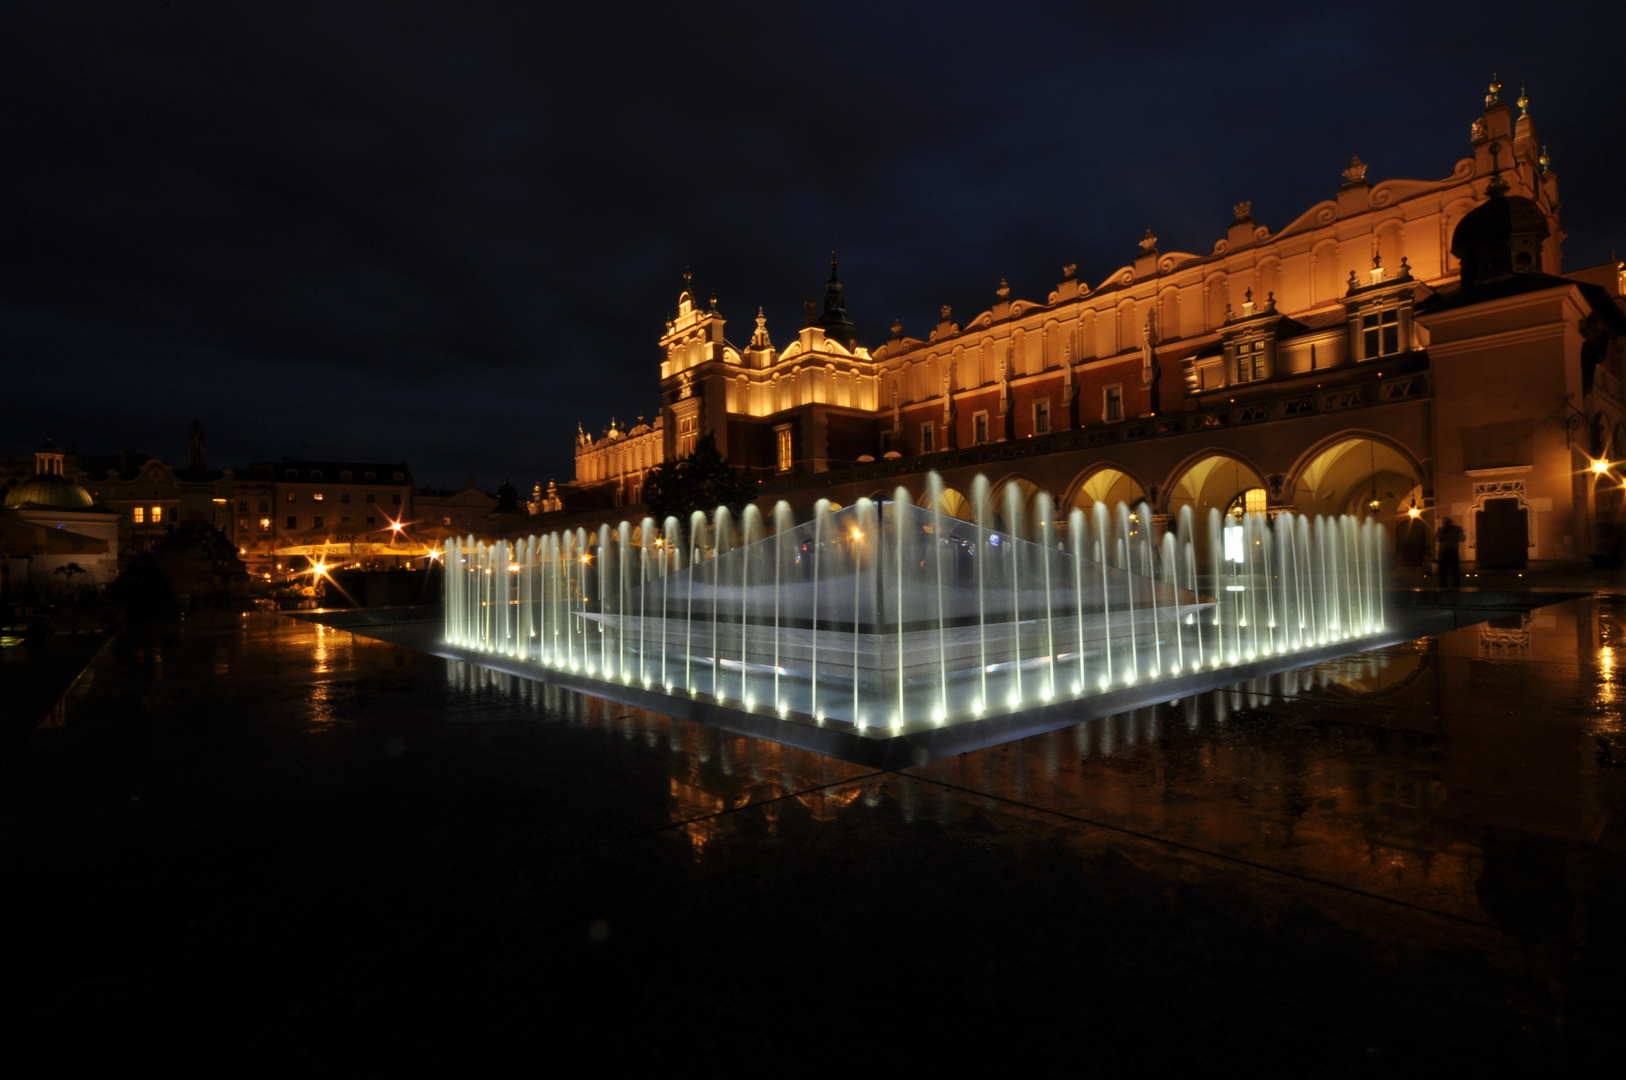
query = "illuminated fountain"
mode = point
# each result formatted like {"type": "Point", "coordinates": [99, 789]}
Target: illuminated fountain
{"type": "Point", "coordinates": [888, 620]}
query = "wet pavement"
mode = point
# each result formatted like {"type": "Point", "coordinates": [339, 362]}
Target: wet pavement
{"type": "Point", "coordinates": [268, 844]}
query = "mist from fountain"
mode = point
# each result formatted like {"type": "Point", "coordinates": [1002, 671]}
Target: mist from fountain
{"type": "Point", "coordinates": [891, 616]}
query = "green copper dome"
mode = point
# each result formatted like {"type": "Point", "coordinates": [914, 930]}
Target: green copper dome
{"type": "Point", "coordinates": [48, 489]}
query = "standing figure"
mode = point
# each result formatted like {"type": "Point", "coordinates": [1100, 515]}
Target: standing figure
{"type": "Point", "coordinates": [1450, 538]}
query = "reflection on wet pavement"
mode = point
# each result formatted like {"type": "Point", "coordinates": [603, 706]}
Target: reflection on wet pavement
{"type": "Point", "coordinates": [1454, 793]}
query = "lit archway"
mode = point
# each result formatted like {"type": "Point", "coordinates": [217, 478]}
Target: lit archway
{"type": "Point", "coordinates": [1027, 491]}
{"type": "Point", "coordinates": [1212, 483]}
{"type": "Point", "coordinates": [1110, 486]}
{"type": "Point", "coordinates": [1367, 477]}
{"type": "Point", "coordinates": [953, 503]}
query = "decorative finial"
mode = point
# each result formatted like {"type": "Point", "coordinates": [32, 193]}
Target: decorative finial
{"type": "Point", "coordinates": [1524, 102]}
{"type": "Point", "coordinates": [1495, 94]}
{"type": "Point", "coordinates": [897, 328]}
{"type": "Point", "coordinates": [1497, 186]}
{"type": "Point", "coordinates": [1377, 254]}
{"type": "Point", "coordinates": [1353, 284]}
{"type": "Point", "coordinates": [1243, 210]}
{"type": "Point", "coordinates": [833, 264]}
{"type": "Point", "coordinates": [688, 276]}
{"type": "Point", "coordinates": [946, 312]}
{"type": "Point", "coordinates": [1148, 243]}
{"type": "Point", "coordinates": [1544, 161]}
{"type": "Point", "coordinates": [1247, 297]}
{"type": "Point", "coordinates": [1004, 290]}
{"type": "Point", "coordinates": [1068, 271]}
{"type": "Point", "coordinates": [1356, 173]}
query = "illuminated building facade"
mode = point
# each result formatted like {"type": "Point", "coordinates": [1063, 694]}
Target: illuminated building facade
{"type": "Point", "coordinates": [1409, 348]}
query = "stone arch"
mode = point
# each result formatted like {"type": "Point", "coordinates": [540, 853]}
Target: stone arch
{"type": "Point", "coordinates": [1029, 490]}
{"type": "Point", "coordinates": [1342, 474]}
{"type": "Point", "coordinates": [1128, 326]}
{"type": "Point", "coordinates": [955, 504]}
{"type": "Point", "coordinates": [1087, 343]}
{"type": "Point", "coordinates": [1216, 295]}
{"type": "Point", "coordinates": [1269, 276]}
{"type": "Point", "coordinates": [1326, 282]}
{"type": "Point", "coordinates": [1209, 480]}
{"type": "Point", "coordinates": [1104, 482]}
{"type": "Point", "coordinates": [1389, 238]}
{"type": "Point", "coordinates": [1168, 313]}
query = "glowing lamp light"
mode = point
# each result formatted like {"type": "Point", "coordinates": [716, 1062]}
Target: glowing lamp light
{"type": "Point", "coordinates": [1600, 467]}
{"type": "Point", "coordinates": [1413, 513]}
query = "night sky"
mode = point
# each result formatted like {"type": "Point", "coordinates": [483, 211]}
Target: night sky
{"type": "Point", "coordinates": [446, 233]}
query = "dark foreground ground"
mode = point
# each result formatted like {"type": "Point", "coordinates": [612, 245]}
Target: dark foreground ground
{"type": "Point", "coordinates": [262, 845]}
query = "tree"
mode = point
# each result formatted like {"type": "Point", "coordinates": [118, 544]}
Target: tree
{"type": "Point", "coordinates": [700, 481]}
{"type": "Point", "coordinates": [70, 570]}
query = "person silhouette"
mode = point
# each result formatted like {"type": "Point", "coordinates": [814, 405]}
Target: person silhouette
{"type": "Point", "coordinates": [1450, 537]}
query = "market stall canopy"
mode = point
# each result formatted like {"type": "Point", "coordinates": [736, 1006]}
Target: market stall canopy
{"type": "Point", "coordinates": [19, 538]}
{"type": "Point", "coordinates": [351, 540]}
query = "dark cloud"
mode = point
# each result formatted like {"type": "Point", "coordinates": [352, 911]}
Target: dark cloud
{"type": "Point", "coordinates": [447, 233]}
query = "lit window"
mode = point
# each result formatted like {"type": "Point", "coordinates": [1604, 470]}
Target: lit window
{"type": "Point", "coordinates": [1380, 333]}
{"type": "Point", "coordinates": [1041, 417]}
{"type": "Point", "coordinates": [138, 515]}
{"type": "Point", "coordinates": [1250, 361]}
{"type": "Point", "coordinates": [979, 428]}
{"type": "Point", "coordinates": [157, 514]}
{"type": "Point", "coordinates": [928, 437]}
{"type": "Point", "coordinates": [293, 496]}
{"type": "Point", "coordinates": [317, 496]}
{"type": "Point", "coordinates": [1114, 409]}
{"type": "Point", "coordinates": [242, 524]}
{"type": "Point", "coordinates": [784, 449]}
{"type": "Point", "coordinates": [446, 521]}
{"type": "Point", "coordinates": [265, 524]}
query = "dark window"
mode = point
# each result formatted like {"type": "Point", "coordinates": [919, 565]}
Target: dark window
{"type": "Point", "coordinates": [928, 437]}
{"type": "Point", "coordinates": [979, 428]}
{"type": "Point", "coordinates": [396, 498]}
{"type": "Point", "coordinates": [265, 506]}
{"type": "Point", "coordinates": [371, 520]}
{"type": "Point", "coordinates": [316, 522]}
{"type": "Point", "coordinates": [371, 497]}
{"type": "Point", "coordinates": [1041, 417]}
{"type": "Point", "coordinates": [1250, 361]}
{"type": "Point", "coordinates": [242, 504]}
{"type": "Point", "coordinates": [369, 476]}
{"type": "Point", "coordinates": [293, 522]}
{"type": "Point", "coordinates": [344, 498]}
{"type": "Point", "coordinates": [1380, 333]}
{"type": "Point", "coordinates": [1115, 404]}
